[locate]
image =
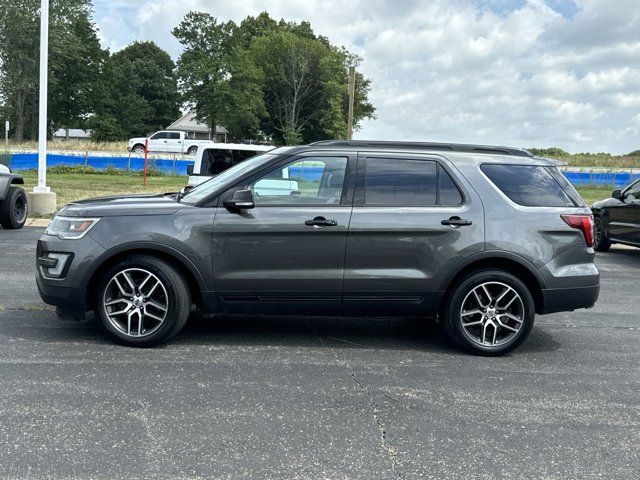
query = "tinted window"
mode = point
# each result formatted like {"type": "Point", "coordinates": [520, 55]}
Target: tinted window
{"type": "Point", "coordinates": [448, 193]}
{"type": "Point", "coordinates": [217, 160]}
{"type": "Point", "coordinates": [174, 135]}
{"type": "Point", "coordinates": [159, 136]}
{"type": "Point", "coordinates": [311, 181]}
{"type": "Point", "coordinates": [400, 182]}
{"type": "Point", "coordinates": [633, 193]}
{"type": "Point", "coordinates": [529, 185]}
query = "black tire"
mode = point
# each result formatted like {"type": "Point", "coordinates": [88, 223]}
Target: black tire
{"type": "Point", "coordinates": [14, 209]}
{"type": "Point", "coordinates": [452, 312]}
{"type": "Point", "coordinates": [139, 149]}
{"type": "Point", "coordinates": [178, 298]}
{"type": "Point", "coordinates": [192, 150]}
{"type": "Point", "coordinates": [601, 242]}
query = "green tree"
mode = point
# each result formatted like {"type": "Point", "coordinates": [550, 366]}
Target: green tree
{"type": "Point", "coordinates": [74, 61]}
{"type": "Point", "coordinates": [275, 77]}
{"type": "Point", "coordinates": [138, 92]}
{"type": "Point", "coordinates": [218, 77]}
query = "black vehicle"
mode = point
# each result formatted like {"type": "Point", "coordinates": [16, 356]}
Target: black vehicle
{"type": "Point", "coordinates": [13, 200]}
{"type": "Point", "coordinates": [617, 219]}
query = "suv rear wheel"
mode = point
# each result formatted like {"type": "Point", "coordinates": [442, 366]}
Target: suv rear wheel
{"type": "Point", "coordinates": [489, 312]}
{"type": "Point", "coordinates": [143, 301]}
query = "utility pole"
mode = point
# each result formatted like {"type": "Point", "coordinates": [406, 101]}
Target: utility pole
{"type": "Point", "coordinates": [43, 201]}
{"type": "Point", "coordinates": [352, 89]}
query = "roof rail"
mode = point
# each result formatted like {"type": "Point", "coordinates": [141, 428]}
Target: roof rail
{"type": "Point", "coordinates": [451, 147]}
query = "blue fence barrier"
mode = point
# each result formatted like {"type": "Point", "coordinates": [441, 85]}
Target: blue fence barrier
{"type": "Point", "coordinates": [618, 179]}
{"type": "Point", "coordinates": [26, 161]}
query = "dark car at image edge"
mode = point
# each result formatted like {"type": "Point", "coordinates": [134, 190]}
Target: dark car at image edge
{"type": "Point", "coordinates": [617, 219]}
{"type": "Point", "coordinates": [481, 237]}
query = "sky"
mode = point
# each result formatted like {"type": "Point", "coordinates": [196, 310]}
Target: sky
{"type": "Point", "coordinates": [523, 73]}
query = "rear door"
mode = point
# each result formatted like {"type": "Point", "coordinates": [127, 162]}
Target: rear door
{"type": "Point", "coordinates": [173, 142]}
{"type": "Point", "coordinates": [286, 255]}
{"type": "Point", "coordinates": [413, 220]}
{"type": "Point", "coordinates": [624, 221]}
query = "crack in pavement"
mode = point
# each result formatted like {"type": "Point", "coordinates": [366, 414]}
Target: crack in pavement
{"type": "Point", "coordinates": [388, 449]}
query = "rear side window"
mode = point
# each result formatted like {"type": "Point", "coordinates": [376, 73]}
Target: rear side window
{"type": "Point", "coordinates": [530, 185]}
{"type": "Point", "coordinates": [217, 160]}
{"type": "Point", "coordinates": [406, 182]}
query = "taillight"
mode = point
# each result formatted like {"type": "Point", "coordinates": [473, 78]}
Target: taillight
{"type": "Point", "coordinates": [584, 223]}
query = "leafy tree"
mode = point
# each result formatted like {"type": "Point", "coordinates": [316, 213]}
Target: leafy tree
{"type": "Point", "coordinates": [217, 77]}
{"type": "Point", "coordinates": [74, 61]}
{"type": "Point", "coordinates": [138, 92]}
{"type": "Point", "coordinates": [293, 74]}
{"type": "Point", "coordinates": [278, 77]}
{"type": "Point", "coordinates": [18, 57]}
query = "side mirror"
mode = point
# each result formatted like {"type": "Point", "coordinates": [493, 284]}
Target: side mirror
{"type": "Point", "coordinates": [617, 194]}
{"type": "Point", "coordinates": [241, 199]}
{"type": "Point", "coordinates": [189, 169]}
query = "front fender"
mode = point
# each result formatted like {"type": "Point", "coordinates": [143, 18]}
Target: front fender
{"type": "Point", "coordinates": [8, 179]}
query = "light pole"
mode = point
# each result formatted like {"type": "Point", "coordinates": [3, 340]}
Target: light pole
{"type": "Point", "coordinates": [42, 200]}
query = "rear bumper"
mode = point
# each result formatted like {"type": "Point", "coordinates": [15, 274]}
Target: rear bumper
{"type": "Point", "coordinates": [567, 299]}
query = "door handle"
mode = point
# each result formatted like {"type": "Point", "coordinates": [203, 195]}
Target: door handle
{"type": "Point", "coordinates": [320, 222]}
{"type": "Point", "coordinates": [456, 222]}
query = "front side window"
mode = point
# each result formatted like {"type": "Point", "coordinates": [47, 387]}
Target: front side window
{"type": "Point", "coordinates": [406, 182]}
{"type": "Point", "coordinates": [529, 185]}
{"type": "Point", "coordinates": [308, 181]}
{"type": "Point", "coordinates": [159, 136]}
{"type": "Point", "coordinates": [633, 193]}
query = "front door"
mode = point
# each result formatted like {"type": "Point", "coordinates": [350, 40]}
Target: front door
{"type": "Point", "coordinates": [411, 223]}
{"type": "Point", "coordinates": [624, 221]}
{"type": "Point", "coordinates": [158, 142]}
{"type": "Point", "coordinates": [286, 255]}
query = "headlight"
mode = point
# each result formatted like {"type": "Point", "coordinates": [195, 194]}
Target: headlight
{"type": "Point", "coordinates": [70, 228]}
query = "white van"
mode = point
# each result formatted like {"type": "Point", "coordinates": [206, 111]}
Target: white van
{"type": "Point", "coordinates": [213, 158]}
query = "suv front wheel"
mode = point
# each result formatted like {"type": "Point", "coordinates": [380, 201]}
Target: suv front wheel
{"type": "Point", "coordinates": [142, 301]}
{"type": "Point", "coordinates": [489, 312]}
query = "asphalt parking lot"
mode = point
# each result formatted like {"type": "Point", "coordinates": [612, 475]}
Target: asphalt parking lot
{"type": "Point", "coordinates": [307, 398]}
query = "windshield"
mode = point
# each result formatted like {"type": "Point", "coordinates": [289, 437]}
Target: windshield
{"type": "Point", "coordinates": [203, 190]}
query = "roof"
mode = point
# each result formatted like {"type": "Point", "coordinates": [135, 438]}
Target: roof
{"type": "Point", "coordinates": [73, 133]}
{"type": "Point", "coordinates": [450, 147]}
{"type": "Point", "coordinates": [189, 123]}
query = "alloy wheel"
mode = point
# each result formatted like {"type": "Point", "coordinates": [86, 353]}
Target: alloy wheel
{"type": "Point", "coordinates": [492, 314]}
{"type": "Point", "coordinates": [135, 302]}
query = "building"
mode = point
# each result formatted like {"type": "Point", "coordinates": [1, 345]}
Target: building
{"type": "Point", "coordinates": [197, 130]}
{"type": "Point", "coordinates": [76, 134]}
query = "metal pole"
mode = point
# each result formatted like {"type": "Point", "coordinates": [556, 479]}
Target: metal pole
{"type": "Point", "coordinates": [352, 88]}
{"type": "Point", "coordinates": [6, 134]}
{"type": "Point", "coordinates": [144, 168]}
{"type": "Point", "coordinates": [42, 124]}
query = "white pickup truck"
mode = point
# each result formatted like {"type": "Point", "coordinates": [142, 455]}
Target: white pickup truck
{"type": "Point", "coordinates": [166, 141]}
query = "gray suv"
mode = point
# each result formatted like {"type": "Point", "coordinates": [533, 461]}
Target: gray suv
{"type": "Point", "coordinates": [482, 238]}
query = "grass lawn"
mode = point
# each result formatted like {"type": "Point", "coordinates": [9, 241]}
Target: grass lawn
{"type": "Point", "coordinates": [77, 186]}
{"type": "Point", "coordinates": [592, 193]}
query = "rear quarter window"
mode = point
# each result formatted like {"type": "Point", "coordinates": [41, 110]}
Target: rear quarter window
{"type": "Point", "coordinates": [532, 185]}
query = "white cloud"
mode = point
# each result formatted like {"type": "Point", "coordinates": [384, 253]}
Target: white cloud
{"type": "Point", "coordinates": [515, 72]}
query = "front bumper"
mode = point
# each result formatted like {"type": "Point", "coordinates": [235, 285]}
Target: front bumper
{"type": "Point", "coordinates": [567, 299]}
{"type": "Point", "coordinates": [70, 290]}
